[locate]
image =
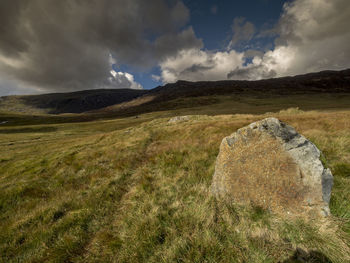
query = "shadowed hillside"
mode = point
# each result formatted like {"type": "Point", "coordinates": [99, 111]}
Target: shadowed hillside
{"type": "Point", "coordinates": [74, 102]}
{"type": "Point", "coordinates": [326, 82]}
{"type": "Point", "coordinates": [185, 94]}
{"type": "Point", "coordinates": [321, 82]}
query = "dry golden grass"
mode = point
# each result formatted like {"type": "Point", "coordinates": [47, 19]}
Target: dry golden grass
{"type": "Point", "coordinates": [263, 173]}
{"type": "Point", "coordinates": [133, 103]}
{"type": "Point", "coordinates": [105, 192]}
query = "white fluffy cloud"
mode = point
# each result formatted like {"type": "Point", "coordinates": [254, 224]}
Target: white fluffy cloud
{"type": "Point", "coordinates": [120, 80]}
{"type": "Point", "coordinates": [123, 80]}
{"type": "Point", "coordinates": [312, 35]}
{"type": "Point", "coordinates": [196, 64]}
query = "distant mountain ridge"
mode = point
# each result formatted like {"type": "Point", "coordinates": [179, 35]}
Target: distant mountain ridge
{"type": "Point", "coordinates": [324, 81]}
{"type": "Point", "coordinates": [191, 94]}
{"type": "Point", "coordinates": [121, 100]}
{"type": "Point", "coordinates": [72, 102]}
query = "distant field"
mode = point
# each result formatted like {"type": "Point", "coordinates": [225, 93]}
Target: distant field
{"type": "Point", "coordinates": [135, 189]}
{"type": "Point", "coordinates": [209, 105]}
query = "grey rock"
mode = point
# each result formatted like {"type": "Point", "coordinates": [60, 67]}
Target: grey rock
{"type": "Point", "coordinates": [268, 163]}
{"type": "Point", "coordinates": [179, 119]}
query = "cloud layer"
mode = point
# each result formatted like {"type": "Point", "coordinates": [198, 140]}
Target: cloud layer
{"type": "Point", "coordinates": [195, 64]}
{"type": "Point", "coordinates": [65, 45]}
{"type": "Point", "coordinates": [243, 31]}
{"type": "Point", "coordinates": [123, 80]}
{"type": "Point", "coordinates": [312, 35]}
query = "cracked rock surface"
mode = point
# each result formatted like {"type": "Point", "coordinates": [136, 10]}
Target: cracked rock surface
{"type": "Point", "coordinates": [269, 164]}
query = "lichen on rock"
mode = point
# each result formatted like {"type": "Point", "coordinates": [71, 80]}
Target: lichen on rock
{"type": "Point", "coordinates": [269, 164]}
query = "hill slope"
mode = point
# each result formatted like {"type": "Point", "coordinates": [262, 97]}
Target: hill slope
{"type": "Point", "coordinates": [182, 94]}
{"type": "Point", "coordinates": [136, 189]}
{"type": "Point", "coordinates": [116, 191]}
{"type": "Point", "coordinates": [323, 90]}
{"type": "Point", "coordinates": [325, 81]}
{"type": "Point", "coordinates": [73, 102]}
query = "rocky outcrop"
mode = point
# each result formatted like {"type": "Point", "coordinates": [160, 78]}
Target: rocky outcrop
{"type": "Point", "coordinates": [269, 164]}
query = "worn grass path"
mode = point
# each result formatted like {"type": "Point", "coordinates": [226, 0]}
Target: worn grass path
{"type": "Point", "coordinates": [136, 190]}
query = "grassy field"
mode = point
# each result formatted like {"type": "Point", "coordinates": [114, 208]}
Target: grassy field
{"type": "Point", "coordinates": [137, 190]}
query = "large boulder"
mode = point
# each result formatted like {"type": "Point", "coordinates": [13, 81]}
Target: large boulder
{"type": "Point", "coordinates": [269, 164]}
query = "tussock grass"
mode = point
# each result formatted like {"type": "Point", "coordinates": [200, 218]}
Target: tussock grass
{"type": "Point", "coordinates": [105, 192]}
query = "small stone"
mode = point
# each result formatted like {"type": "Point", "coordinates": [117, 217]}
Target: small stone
{"type": "Point", "coordinates": [179, 119]}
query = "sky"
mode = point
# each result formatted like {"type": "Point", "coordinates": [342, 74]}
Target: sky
{"type": "Point", "coordinates": [70, 45]}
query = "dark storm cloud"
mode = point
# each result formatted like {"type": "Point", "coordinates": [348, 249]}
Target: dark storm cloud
{"type": "Point", "coordinates": [10, 26]}
{"type": "Point", "coordinates": [66, 44]}
{"type": "Point", "coordinates": [170, 44]}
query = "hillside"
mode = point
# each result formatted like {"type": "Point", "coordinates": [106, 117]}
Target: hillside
{"type": "Point", "coordinates": [74, 102]}
{"type": "Point", "coordinates": [137, 190]}
{"type": "Point", "coordinates": [122, 184]}
{"type": "Point", "coordinates": [322, 86]}
{"type": "Point", "coordinates": [321, 82]}
{"type": "Point", "coordinates": [285, 92]}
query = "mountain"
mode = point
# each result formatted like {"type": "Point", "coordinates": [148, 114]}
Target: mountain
{"type": "Point", "coordinates": [184, 94]}
{"type": "Point", "coordinates": [73, 102]}
{"type": "Point", "coordinates": [181, 94]}
{"type": "Point", "coordinates": [325, 81]}
{"type": "Point", "coordinates": [125, 184]}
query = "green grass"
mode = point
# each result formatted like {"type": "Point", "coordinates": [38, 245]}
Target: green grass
{"type": "Point", "coordinates": [137, 190]}
{"type": "Point", "coordinates": [204, 105]}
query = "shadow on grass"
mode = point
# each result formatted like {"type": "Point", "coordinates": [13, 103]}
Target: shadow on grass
{"type": "Point", "coordinates": [312, 256]}
{"type": "Point", "coordinates": [28, 130]}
